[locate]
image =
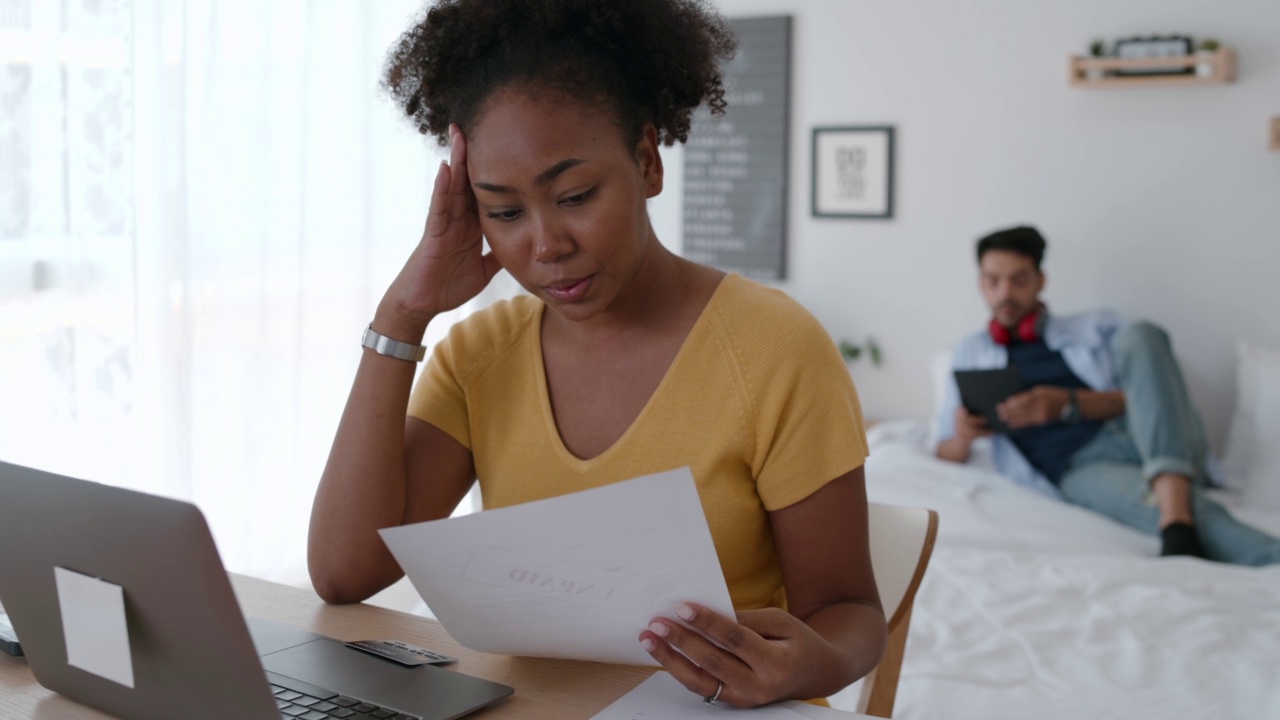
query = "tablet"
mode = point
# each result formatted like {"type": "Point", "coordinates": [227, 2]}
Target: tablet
{"type": "Point", "coordinates": [982, 390]}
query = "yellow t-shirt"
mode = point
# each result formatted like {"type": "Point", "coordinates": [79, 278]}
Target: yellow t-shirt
{"type": "Point", "coordinates": [758, 403]}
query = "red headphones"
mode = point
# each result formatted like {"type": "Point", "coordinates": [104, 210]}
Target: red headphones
{"type": "Point", "coordinates": [1030, 329]}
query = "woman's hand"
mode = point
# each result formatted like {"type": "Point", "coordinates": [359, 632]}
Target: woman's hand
{"type": "Point", "coordinates": [762, 657]}
{"type": "Point", "coordinates": [448, 267]}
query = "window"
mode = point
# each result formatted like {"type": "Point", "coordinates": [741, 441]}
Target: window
{"type": "Point", "coordinates": [66, 239]}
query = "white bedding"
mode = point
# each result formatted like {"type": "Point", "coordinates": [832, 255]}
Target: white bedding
{"type": "Point", "coordinates": [1032, 608]}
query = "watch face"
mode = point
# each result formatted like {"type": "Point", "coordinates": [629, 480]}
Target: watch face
{"type": "Point", "coordinates": [1071, 411]}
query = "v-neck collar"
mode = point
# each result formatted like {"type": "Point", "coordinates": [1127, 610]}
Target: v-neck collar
{"type": "Point", "coordinates": [544, 391]}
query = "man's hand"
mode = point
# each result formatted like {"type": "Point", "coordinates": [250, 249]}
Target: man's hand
{"type": "Point", "coordinates": [970, 427]}
{"type": "Point", "coordinates": [1040, 405]}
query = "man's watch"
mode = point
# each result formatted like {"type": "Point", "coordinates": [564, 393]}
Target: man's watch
{"type": "Point", "coordinates": [1071, 413]}
{"type": "Point", "coordinates": [384, 345]}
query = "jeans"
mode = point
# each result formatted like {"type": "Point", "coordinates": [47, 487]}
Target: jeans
{"type": "Point", "coordinates": [1161, 432]}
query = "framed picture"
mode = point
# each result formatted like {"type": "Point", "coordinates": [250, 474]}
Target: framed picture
{"type": "Point", "coordinates": [853, 172]}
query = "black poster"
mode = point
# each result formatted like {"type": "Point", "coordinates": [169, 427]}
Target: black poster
{"type": "Point", "coordinates": [735, 166]}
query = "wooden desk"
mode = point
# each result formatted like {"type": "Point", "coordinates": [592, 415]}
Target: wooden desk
{"type": "Point", "coordinates": [550, 689]}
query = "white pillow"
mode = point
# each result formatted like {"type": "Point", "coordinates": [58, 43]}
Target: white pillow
{"type": "Point", "coordinates": [940, 373]}
{"type": "Point", "coordinates": [1252, 462]}
{"type": "Point", "coordinates": [940, 370]}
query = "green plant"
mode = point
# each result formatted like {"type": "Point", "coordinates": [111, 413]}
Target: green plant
{"type": "Point", "coordinates": [1209, 45]}
{"type": "Point", "coordinates": [852, 351]}
{"type": "Point", "coordinates": [1098, 48]}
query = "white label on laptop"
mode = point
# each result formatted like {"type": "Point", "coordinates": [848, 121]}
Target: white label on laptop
{"type": "Point", "coordinates": [94, 626]}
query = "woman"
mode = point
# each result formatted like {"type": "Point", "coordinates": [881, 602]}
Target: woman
{"type": "Point", "coordinates": [624, 359]}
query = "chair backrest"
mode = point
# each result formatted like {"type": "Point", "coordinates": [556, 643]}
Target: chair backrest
{"type": "Point", "coordinates": [901, 544]}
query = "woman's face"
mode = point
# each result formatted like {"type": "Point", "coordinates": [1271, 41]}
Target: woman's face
{"type": "Point", "coordinates": [562, 198]}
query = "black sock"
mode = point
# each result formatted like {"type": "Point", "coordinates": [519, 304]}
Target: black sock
{"type": "Point", "coordinates": [1180, 538]}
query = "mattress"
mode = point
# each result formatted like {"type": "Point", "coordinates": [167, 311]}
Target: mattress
{"type": "Point", "coordinates": [1033, 608]}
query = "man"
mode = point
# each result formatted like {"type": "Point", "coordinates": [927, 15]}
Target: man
{"type": "Point", "coordinates": [1106, 423]}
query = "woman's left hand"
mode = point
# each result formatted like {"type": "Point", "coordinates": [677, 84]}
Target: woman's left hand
{"type": "Point", "coordinates": [762, 657]}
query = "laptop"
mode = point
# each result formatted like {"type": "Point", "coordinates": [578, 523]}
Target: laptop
{"type": "Point", "coordinates": [193, 656]}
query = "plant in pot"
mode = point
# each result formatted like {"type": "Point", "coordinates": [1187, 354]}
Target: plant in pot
{"type": "Point", "coordinates": [853, 351]}
{"type": "Point", "coordinates": [1207, 48]}
{"type": "Point", "coordinates": [1097, 49]}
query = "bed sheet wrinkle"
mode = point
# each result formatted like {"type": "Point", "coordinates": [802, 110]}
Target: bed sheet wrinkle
{"type": "Point", "coordinates": [1033, 608]}
{"type": "Point", "coordinates": [1006, 621]}
{"type": "Point", "coordinates": [1001, 659]}
{"type": "Point", "coordinates": [981, 509]}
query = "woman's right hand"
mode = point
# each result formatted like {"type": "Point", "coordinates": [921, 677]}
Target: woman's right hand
{"type": "Point", "coordinates": [448, 267]}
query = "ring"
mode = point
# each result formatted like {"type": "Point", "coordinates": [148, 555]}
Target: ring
{"type": "Point", "coordinates": [713, 699]}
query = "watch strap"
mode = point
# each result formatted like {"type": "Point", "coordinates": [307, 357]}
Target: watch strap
{"type": "Point", "coordinates": [384, 345]}
{"type": "Point", "coordinates": [1071, 413]}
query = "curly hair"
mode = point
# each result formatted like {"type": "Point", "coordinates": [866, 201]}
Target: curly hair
{"type": "Point", "coordinates": [646, 61]}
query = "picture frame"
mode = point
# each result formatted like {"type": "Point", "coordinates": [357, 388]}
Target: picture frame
{"type": "Point", "coordinates": [853, 172]}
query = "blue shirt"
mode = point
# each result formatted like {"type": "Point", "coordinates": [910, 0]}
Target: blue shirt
{"type": "Point", "coordinates": [1048, 447]}
{"type": "Point", "coordinates": [1085, 343]}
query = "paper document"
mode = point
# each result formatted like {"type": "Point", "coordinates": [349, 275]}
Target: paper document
{"type": "Point", "coordinates": [577, 576]}
{"type": "Point", "coordinates": [814, 712]}
{"type": "Point", "coordinates": [662, 697]}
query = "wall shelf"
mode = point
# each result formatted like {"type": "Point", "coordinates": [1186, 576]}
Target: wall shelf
{"type": "Point", "coordinates": [1221, 65]}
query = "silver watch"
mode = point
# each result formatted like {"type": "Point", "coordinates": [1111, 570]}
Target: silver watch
{"type": "Point", "coordinates": [1071, 413]}
{"type": "Point", "coordinates": [384, 345]}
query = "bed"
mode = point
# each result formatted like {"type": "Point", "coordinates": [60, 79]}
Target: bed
{"type": "Point", "coordinates": [1035, 608]}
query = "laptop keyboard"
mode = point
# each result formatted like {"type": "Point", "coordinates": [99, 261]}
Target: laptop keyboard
{"type": "Point", "coordinates": [302, 701]}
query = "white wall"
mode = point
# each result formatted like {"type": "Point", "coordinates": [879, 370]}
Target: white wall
{"type": "Point", "coordinates": [1161, 202]}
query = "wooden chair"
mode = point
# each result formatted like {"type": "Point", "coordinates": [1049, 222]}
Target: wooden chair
{"type": "Point", "coordinates": [901, 544]}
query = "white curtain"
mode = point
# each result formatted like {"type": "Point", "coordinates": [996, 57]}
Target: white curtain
{"type": "Point", "coordinates": [66, 226]}
{"type": "Point", "coordinates": [201, 202]}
